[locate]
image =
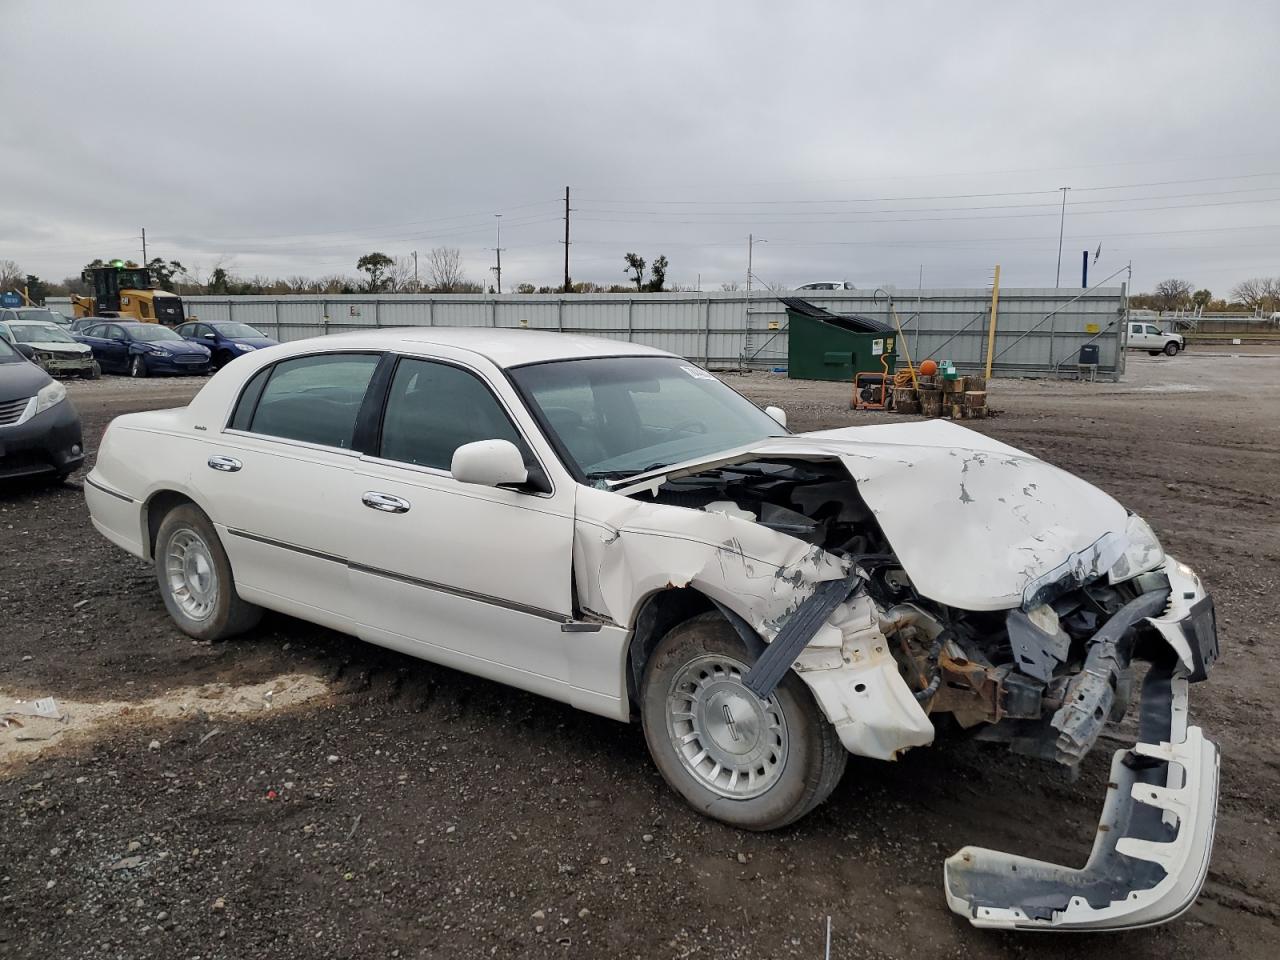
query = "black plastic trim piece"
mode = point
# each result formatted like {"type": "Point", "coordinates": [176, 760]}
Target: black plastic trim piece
{"type": "Point", "coordinates": [763, 678]}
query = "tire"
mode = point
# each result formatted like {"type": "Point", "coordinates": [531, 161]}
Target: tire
{"type": "Point", "coordinates": [695, 673]}
{"type": "Point", "coordinates": [220, 360]}
{"type": "Point", "coordinates": [1171, 349]}
{"type": "Point", "coordinates": [138, 366]}
{"type": "Point", "coordinates": [93, 373]}
{"type": "Point", "coordinates": [195, 578]}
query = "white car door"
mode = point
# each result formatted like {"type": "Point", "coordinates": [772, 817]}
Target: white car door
{"type": "Point", "coordinates": [273, 481]}
{"type": "Point", "coordinates": [473, 576]}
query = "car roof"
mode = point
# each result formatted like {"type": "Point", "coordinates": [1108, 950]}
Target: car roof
{"type": "Point", "coordinates": [506, 347]}
{"type": "Point", "coordinates": [32, 323]}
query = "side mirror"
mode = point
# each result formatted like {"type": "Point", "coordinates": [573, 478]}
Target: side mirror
{"type": "Point", "coordinates": [209, 336]}
{"type": "Point", "coordinates": [26, 350]}
{"type": "Point", "coordinates": [490, 463]}
{"type": "Point", "coordinates": [778, 414]}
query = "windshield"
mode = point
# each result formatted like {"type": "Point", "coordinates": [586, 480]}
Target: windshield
{"type": "Point", "coordinates": [237, 330]}
{"type": "Point", "coordinates": [152, 331]}
{"type": "Point", "coordinates": [39, 333]}
{"type": "Point", "coordinates": [619, 416]}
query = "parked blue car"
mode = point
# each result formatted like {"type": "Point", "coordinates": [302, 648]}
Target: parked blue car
{"type": "Point", "coordinates": [143, 349]}
{"type": "Point", "coordinates": [226, 340]}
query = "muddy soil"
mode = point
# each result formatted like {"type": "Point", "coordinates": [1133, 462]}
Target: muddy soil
{"type": "Point", "coordinates": [413, 811]}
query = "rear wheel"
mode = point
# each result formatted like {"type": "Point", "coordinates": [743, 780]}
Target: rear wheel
{"type": "Point", "coordinates": [195, 578]}
{"type": "Point", "coordinates": [1171, 348]}
{"type": "Point", "coordinates": [752, 763]}
{"type": "Point", "coordinates": [137, 366]}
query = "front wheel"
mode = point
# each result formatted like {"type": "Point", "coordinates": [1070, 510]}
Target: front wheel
{"type": "Point", "coordinates": [195, 578]}
{"type": "Point", "coordinates": [137, 366]}
{"type": "Point", "coordinates": [93, 373]}
{"type": "Point", "coordinates": [1171, 349]}
{"type": "Point", "coordinates": [751, 763]}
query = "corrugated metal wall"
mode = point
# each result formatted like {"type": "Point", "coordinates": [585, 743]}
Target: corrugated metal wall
{"type": "Point", "coordinates": [1038, 330]}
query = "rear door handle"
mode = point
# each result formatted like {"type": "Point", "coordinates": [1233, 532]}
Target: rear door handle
{"type": "Point", "coordinates": [385, 502]}
{"type": "Point", "coordinates": [225, 464]}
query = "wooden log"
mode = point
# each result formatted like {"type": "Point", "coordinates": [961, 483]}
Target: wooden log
{"type": "Point", "coordinates": [976, 383]}
{"type": "Point", "coordinates": [975, 398]}
{"type": "Point", "coordinates": [906, 406]}
{"type": "Point", "coordinates": [956, 410]}
{"type": "Point", "coordinates": [931, 403]}
{"type": "Point", "coordinates": [957, 385]}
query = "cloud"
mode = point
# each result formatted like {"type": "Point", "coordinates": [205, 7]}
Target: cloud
{"type": "Point", "coordinates": [864, 141]}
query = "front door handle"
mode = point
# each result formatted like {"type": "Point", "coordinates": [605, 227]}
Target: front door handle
{"type": "Point", "coordinates": [385, 502]}
{"type": "Point", "coordinates": [225, 464]}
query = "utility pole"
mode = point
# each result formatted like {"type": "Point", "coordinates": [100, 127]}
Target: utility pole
{"type": "Point", "coordinates": [416, 289]}
{"type": "Point", "coordinates": [566, 239]}
{"type": "Point", "coordinates": [498, 251]}
{"type": "Point", "coordinates": [144, 246]}
{"type": "Point", "coordinates": [1062, 222]}
{"type": "Point", "coordinates": [748, 341]}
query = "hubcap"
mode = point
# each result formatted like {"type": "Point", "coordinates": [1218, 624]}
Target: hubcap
{"type": "Point", "coordinates": [193, 582]}
{"type": "Point", "coordinates": [731, 741]}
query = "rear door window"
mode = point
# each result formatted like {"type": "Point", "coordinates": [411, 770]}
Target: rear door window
{"type": "Point", "coordinates": [434, 408]}
{"type": "Point", "coordinates": [313, 399]}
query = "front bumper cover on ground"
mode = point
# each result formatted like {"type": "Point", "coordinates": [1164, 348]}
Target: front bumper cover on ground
{"type": "Point", "coordinates": [1151, 854]}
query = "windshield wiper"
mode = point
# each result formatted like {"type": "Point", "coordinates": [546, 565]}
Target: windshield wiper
{"type": "Point", "coordinates": [623, 474]}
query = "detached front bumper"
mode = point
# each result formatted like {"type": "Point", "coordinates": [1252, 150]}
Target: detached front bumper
{"type": "Point", "coordinates": [63, 366]}
{"type": "Point", "coordinates": [1151, 853]}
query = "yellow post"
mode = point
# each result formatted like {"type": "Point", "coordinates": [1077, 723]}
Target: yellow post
{"type": "Point", "coordinates": [902, 342]}
{"type": "Point", "coordinates": [991, 329]}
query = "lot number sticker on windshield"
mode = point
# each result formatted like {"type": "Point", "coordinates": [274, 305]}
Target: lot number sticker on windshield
{"type": "Point", "coordinates": [696, 373]}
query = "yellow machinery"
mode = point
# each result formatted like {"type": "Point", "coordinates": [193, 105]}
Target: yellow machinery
{"type": "Point", "coordinates": [123, 290]}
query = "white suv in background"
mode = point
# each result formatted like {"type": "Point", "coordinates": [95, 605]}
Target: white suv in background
{"type": "Point", "coordinates": [1149, 337]}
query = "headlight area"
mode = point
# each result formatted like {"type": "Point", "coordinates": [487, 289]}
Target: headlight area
{"type": "Point", "coordinates": [1142, 554]}
{"type": "Point", "coordinates": [50, 395]}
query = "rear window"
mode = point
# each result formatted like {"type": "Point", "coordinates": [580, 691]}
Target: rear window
{"type": "Point", "coordinates": [312, 399]}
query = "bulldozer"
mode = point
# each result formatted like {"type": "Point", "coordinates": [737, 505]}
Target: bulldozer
{"type": "Point", "coordinates": [125, 290]}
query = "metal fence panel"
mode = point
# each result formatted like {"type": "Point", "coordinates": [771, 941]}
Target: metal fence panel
{"type": "Point", "coordinates": [1038, 331]}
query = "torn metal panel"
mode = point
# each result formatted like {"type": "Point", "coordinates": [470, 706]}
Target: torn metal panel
{"type": "Point", "coordinates": [801, 627]}
{"type": "Point", "coordinates": [1151, 854]}
{"type": "Point", "coordinates": [626, 549]}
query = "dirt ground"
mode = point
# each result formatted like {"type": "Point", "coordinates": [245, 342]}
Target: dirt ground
{"type": "Point", "coordinates": [396, 808]}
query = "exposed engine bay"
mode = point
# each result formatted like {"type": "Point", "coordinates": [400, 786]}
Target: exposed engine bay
{"type": "Point", "coordinates": [1042, 680]}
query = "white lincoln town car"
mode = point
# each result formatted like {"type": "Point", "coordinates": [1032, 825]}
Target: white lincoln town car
{"type": "Point", "coordinates": [614, 527]}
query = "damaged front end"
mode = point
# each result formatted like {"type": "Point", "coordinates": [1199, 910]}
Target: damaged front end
{"type": "Point", "coordinates": [830, 559]}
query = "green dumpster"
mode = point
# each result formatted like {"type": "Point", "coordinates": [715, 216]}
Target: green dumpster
{"type": "Point", "coordinates": [825, 346]}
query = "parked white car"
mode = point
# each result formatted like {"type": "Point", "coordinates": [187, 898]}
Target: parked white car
{"type": "Point", "coordinates": [828, 285]}
{"type": "Point", "coordinates": [50, 346]}
{"type": "Point", "coordinates": [612, 526]}
{"type": "Point", "coordinates": [1147, 336]}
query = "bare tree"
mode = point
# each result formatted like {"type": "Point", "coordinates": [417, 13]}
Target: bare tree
{"type": "Point", "coordinates": [729, 287]}
{"type": "Point", "coordinates": [1258, 293]}
{"type": "Point", "coordinates": [444, 270]}
{"type": "Point", "coordinates": [1172, 294]}
{"type": "Point", "coordinates": [399, 276]}
{"type": "Point", "coordinates": [12, 276]}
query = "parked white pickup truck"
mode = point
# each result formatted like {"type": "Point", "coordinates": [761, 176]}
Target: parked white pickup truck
{"type": "Point", "coordinates": [1149, 337]}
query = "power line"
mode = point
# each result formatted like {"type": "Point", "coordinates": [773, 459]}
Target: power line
{"type": "Point", "coordinates": [951, 196]}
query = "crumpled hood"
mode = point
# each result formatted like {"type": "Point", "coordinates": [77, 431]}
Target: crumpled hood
{"type": "Point", "coordinates": [972, 520]}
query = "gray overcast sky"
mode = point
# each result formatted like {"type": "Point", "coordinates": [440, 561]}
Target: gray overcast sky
{"type": "Point", "coordinates": [863, 140]}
